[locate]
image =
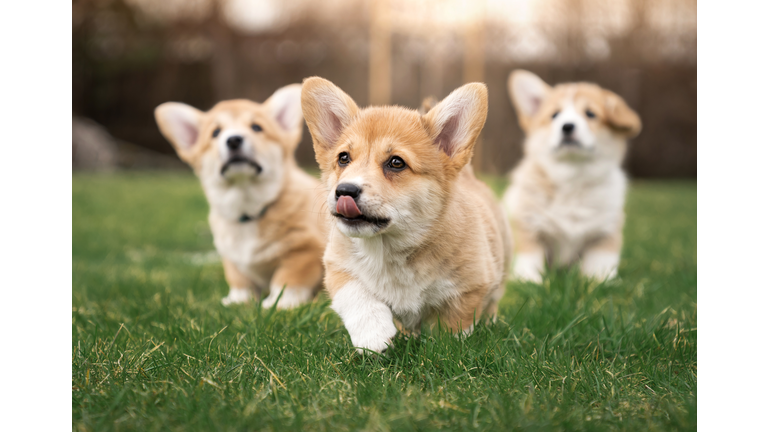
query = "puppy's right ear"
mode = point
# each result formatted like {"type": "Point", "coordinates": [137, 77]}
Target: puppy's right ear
{"type": "Point", "coordinates": [180, 124]}
{"type": "Point", "coordinates": [327, 110]}
{"type": "Point", "coordinates": [455, 123]}
{"type": "Point", "coordinates": [527, 92]}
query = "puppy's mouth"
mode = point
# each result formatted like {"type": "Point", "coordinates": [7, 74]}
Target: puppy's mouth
{"type": "Point", "coordinates": [350, 214]}
{"type": "Point", "coordinates": [570, 142]}
{"type": "Point", "coordinates": [240, 160]}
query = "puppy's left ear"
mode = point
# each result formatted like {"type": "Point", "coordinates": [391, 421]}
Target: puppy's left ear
{"type": "Point", "coordinates": [328, 111]}
{"type": "Point", "coordinates": [180, 124]}
{"type": "Point", "coordinates": [455, 123]}
{"type": "Point", "coordinates": [285, 107]}
{"type": "Point", "coordinates": [620, 116]}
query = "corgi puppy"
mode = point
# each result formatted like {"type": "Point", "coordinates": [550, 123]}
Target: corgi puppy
{"type": "Point", "coordinates": [415, 235]}
{"type": "Point", "coordinates": [261, 203]}
{"type": "Point", "coordinates": [566, 198]}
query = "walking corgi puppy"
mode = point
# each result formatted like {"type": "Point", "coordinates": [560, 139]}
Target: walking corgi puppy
{"type": "Point", "coordinates": [267, 219]}
{"type": "Point", "coordinates": [566, 198]}
{"type": "Point", "coordinates": [415, 236]}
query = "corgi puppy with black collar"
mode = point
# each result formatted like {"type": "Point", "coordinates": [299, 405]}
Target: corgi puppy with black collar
{"type": "Point", "coordinates": [415, 236]}
{"type": "Point", "coordinates": [566, 197]}
{"type": "Point", "coordinates": [268, 221]}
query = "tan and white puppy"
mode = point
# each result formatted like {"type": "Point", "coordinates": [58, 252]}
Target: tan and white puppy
{"type": "Point", "coordinates": [267, 216]}
{"type": "Point", "coordinates": [566, 198]}
{"type": "Point", "coordinates": [416, 236]}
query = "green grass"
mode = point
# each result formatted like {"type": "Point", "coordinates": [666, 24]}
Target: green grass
{"type": "Point", "coordinates": [153, 349]}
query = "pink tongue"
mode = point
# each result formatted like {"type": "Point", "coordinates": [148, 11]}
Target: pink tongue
{"type": "Point", "coordinates": [346, 207]}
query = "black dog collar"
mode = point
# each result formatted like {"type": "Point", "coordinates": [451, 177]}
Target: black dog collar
{"type": "Point", "coordinates": [245, 218]}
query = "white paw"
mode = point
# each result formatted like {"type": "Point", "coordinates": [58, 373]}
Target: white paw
{"type": "Point", "coordinates": [236, 296]}
{"type": "Point", "coordinates": [368, 320]}
{"type": "Point", "coordinates": [291, 298]}
{"type": "Point", "coordinates": [374, 339]}
{"type": "Point", "coordinates": [528, 267]}
{"type": "Point", "coordinates": [600, 265]}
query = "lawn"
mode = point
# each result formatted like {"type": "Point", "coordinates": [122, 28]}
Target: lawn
{"type": "Point", "coordinates": [153, 348]}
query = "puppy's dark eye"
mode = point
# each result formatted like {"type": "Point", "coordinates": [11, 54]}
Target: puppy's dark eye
{"type": "Point", "coordinates": [555, 114]}
{"type": "Point", "coordinates": [344, 159]}
{"type": "Point", "coordinates": [590, 114]}
{"type": "Point", "coordinates": [396, 163]}
{"type": "Point", "coordinates": [256, 128]}
{"type": "Point", "coordinates": [216, 132]}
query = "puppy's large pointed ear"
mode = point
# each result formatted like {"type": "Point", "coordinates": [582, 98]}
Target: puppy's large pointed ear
{"type": "Point", "coordinates": [620, 116]}
{"type": "Point", "coordinates": [180, 124]}
{"type": "Point", "coordinates": [328, 110]}
{"type": "Point", "coordinates": [455, 123]}
{"type": "Point", "coordinates": [285, 107]}
{"type": "Point", "coordinates": [527, 92]}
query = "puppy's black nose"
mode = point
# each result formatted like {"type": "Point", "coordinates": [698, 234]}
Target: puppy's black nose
{"type": "Point", "coordinates": [234, 142]}
{"type": "Point", "coordinates": [568, 128]}
{"type": "Point", "coordinates": [347, 189]}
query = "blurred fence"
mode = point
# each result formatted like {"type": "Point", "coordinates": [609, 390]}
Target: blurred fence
{"type": "Point", "coordinates": [131, 55]}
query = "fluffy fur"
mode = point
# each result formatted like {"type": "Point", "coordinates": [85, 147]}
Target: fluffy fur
{"type": "Point", "coordinates": [566, 198]}
{"type": "Point", "coordinates": [267, 216]}
{"type": "Point", "coordinates": [435, 243]}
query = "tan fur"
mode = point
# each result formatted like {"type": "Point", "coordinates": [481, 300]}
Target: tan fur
{"type": "Point", "coordinates": [461, 241]}
{"type": "Point", "coordinates": [234, 277]}
{"type": "Point", "coordinates": [284, 245]}
{"type": "Point", "coordinates": [568, 206]}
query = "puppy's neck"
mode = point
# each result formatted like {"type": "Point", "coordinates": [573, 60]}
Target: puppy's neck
{"type": "Point", "coordinates": [565, 174]}
{"type": "Point", "coordinates": [231, 200]}
{"type": "Point", "coordinates": [386, 245]}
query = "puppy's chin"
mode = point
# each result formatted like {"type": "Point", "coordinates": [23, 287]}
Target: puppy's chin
{"type": "Point", "coordinates": [357, 231]}
{"type": "Point", "coordinates": [240, 171]}
{"type": "Point", "coordinates": [573, 152]}
{"type": "Point", "coordinates": [359, 228]}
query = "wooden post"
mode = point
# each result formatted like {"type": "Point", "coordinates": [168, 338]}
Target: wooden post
{"type": "Point", "coordinates": [223, 65]}
{"type": "Point", "coordinates": [474, 62]}
{"type": "Point", "coordinates": [380, 55]}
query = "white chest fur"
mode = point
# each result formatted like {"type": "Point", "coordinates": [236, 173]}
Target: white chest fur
{"type": "Point", "coordinates": [241, 242]}
{"type": "Point", "coordinates": [385, 273]}
{"type": "Point", "coordinates": [582, 208]}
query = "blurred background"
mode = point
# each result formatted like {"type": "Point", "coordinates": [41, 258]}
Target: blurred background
{"type": "Point", "coordinates": [131, 55]}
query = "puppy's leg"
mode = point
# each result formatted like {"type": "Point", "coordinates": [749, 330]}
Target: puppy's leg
{"type": "Point", "coordinates": [240, 287]}
{"type": "Point", "coordinates": [529, 256]}
{"type": "Point", "coordinates": [409, 325]}
{"type": "Point", "coordinates": [459, 315]}
{"type": "Point", "coordinates": [492, 302]}
{"type": "Point", "coordinates": [297, 276]}
{"type": "Point", "coordinates": [368, 320]}
{"type": "Point", "coordinates": [601, 259]}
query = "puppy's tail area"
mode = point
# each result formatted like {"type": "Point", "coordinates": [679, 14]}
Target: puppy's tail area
{"type": "Point", "coordinates": [427, 104]}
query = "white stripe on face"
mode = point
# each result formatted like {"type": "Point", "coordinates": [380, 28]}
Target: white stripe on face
{"type": "Point", "coordinates": [581, 132]}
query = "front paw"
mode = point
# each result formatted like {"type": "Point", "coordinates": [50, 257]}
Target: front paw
{"type": "Point", "coordinates": [601, 266]}
{"type": "Point", "coordinates": [377, 340]}
{"type": "Point", "coordinates": [367, 319]}
{"type": "Point", "coordinates": [237, 296]}
{"type": "Point", "coordinates": [528, 268]}
{"type": "Point", "coordinates": [291, 298]}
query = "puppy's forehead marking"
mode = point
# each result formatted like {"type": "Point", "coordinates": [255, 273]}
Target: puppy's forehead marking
{"type": "Point", "coordinates": [245, 117]}
{"type": "Point", "coordinates": [224, 118]}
